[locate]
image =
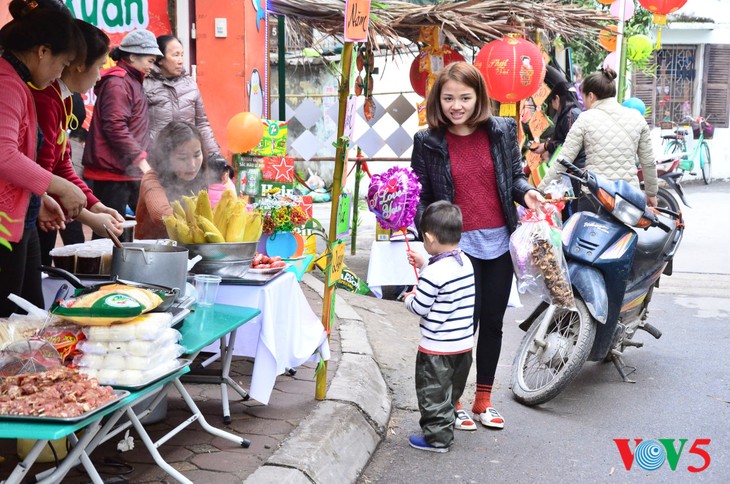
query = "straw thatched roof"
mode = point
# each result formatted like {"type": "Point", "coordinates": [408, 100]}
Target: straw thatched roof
{"type": "Point", "coordinates": [465, 23]}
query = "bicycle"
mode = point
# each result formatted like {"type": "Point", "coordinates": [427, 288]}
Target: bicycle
{"type": "Point", "coordinates": [678, 145]}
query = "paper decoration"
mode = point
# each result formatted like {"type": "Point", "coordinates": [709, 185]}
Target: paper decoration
{"type": "Point", "coordinates": [357, 17]}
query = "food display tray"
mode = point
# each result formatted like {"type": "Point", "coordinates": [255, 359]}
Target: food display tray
{"type": "Point", "coordinates": [270, 270]}
{"type": "Point", "coordinates": [181, 363]}
{"type": "Point", "coordinates": [252, 279]}
{"type": "Point", "coordinates": [118, 395]}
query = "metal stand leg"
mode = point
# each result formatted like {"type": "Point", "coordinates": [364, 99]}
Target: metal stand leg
{"type": "Point", "coordinates": [203, 423]}
{"type": "Point", "coordinates": [23, 467]}
{"type": "Point", "coordinates": [152, 448]}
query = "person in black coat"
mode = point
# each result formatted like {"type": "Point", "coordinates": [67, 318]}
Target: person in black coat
{"type": "Point", "coordinates": [471, 158]}
{"type": "Point", "coordinates": [563, 101]}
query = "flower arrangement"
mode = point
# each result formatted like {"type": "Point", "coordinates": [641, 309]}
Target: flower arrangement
{"type": "Point", "coordinates": [280, 213]}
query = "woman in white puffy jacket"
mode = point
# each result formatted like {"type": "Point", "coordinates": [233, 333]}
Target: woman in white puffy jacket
{"type": "Point", "coordinates": [613, 137]}
{"type": "Point", "coordinates": [173, 95]}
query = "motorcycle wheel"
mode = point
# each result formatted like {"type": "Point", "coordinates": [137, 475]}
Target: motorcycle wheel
{"type": "Point", "coordinates": [666, 200]}
{"type": "Point", "coordinates": [542, 370]}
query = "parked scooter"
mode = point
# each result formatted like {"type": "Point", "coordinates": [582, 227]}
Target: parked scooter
{"type": "Point", "coordinates": [615, 258]}
{"type": "Point", "coordinates": [666, 169]}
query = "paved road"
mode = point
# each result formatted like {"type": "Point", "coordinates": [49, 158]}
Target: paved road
{"type": "Point", "coordinates": [682, 389]}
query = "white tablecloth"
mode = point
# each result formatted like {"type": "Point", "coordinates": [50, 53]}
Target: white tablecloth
{"type": "Point", "coordinates": [388, 266]}
{"type": "Point", "coordinates": [285, 334]}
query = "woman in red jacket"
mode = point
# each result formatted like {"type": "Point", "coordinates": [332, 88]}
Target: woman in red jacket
{"type": "Point", "coordinates": [37, 44]}
{"type": "Point", "coordinates": [115, 155]}
{"type": "Point", "coordinates": [55, 108]}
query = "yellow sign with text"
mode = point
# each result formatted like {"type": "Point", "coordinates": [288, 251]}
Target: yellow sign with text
{"type": "Point", "coordinates": [338, 261]}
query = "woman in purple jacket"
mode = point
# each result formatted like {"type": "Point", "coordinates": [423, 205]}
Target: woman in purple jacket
{"type": "Point", "coordinates": [115, 155]}
{"type": "Point", "coordinates": [173, 95]}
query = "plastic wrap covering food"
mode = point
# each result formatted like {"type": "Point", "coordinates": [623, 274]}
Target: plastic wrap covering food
{"type": "Point", "coordinates": [147, 327]}
{"type": "Point", "coordinates": [119, 361]}
{"type": "Point", "coordinates": [537, 257]}
{"type": "Point", "coordinates": [129, 377]}
{"type": "Point", "coordinates": [133, 347]}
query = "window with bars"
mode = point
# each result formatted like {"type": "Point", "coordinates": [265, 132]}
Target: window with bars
{"type": "Point", "coordinates": [671, 92]}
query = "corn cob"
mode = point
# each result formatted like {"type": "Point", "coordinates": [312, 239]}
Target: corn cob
{"type": "Point", "coordinates": [184, 236]}
{"type": "Point", "coordinates": [171, 226]}
{"type": "Point", "coordinates": [253, 227]}
{"type": "Point", "coordinates": [177, 209]}
{"type": "Point", "coordinates": [189, 205]}
{"type": "Point", "coordinates": [236, 223]}
{"type": "Point", "coordinates": [212, 234]}
{"type": "Point", "coordinates": [202, 206]}
{"type": "Point", "coordinates": [198, 234]}
{"type": "Point", "coordinates": [223, 210]}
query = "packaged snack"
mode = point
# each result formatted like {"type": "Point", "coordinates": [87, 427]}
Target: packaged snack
{"type": "Point", "coordinates": [110, 304]}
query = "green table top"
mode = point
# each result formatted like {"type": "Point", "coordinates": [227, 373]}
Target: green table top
{"type": "Point", "coordinates": [37, 429]}
{"type": "Point", "coordinates": [206, 325]}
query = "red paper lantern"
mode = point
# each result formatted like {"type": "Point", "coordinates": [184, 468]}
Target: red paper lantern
{"type": "Point", "coordinates": [512, 67]}
{"type": "Point", "coordinates": [419, 78]}
{"type": "Point", "coordinates": [661, 8]}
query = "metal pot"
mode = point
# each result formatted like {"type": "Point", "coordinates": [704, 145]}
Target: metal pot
{"type": "Point", "coordinates": [152, 264]}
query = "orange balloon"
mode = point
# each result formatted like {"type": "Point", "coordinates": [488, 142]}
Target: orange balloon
{"type": "Point", "coordinates": [607, 38]}
{"type": "Point", "coordinates": [244, 131]}
{"type": "Point", "coordinates": [606, 2]}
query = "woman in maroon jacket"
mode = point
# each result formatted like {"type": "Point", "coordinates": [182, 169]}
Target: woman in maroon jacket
{"type": "Point", "coordinates": [115, 156]}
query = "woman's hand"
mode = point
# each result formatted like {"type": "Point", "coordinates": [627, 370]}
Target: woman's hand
{"type": "Point", "coordinates": [415, 259]}
{"type": "Point", "coordinates": [72, 199]}
{"type": "Point", "coordinates": [534, 199]}
{"type": "Point", "coordinates": [51, 215]}
{"type": "Point", "coordinates": [98, 221]}
{"type": "Point", "coordinates": [101, 208]}
{"type": "Point", "coordinates": [651, 201]}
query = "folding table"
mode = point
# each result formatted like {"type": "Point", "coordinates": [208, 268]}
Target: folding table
{"type": "Point", "coordinates": [202, 327]}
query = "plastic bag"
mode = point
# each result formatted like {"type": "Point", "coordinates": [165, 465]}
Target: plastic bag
{"type": "Point", "coordinates": [537, 257]}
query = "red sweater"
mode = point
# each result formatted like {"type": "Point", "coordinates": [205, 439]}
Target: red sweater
{"type": "Point", "coordinates": [475, 181]}
{"type": "Point", "coordinates": [55, 152]}
{"type": "Point", "coordinates": [19, 173]}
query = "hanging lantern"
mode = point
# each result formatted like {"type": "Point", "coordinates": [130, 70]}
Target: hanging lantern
{"type": "Point", "coordinates": [426, 65]}
{"type": "Point", "coordinates": [662, 8]}
{"type": "Point", "coordinates": [639, 48]}
{"type": "Point", "coordinates": [607, 38]}
{"type": "Point", "coordinates": [513, 69]}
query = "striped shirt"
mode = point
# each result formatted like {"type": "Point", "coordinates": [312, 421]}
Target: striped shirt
{"type": "Point", "coordinates": [445, 301]}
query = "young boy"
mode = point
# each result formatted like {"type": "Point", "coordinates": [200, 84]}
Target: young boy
{"type": "Point", "coordinates": [444, 298]}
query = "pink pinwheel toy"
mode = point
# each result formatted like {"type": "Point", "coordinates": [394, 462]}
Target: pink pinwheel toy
{"type": "Point", "coordinates": [393, 198]}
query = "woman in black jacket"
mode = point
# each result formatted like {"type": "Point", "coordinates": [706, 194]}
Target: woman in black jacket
{"type": "Point", "coordinates": [471, 158]}
{"type": "Point", "coordinates": [563, 101]}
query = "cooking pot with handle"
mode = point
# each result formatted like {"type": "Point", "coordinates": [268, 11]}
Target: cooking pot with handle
{"type": "Point", "coordinates": [163, 265]}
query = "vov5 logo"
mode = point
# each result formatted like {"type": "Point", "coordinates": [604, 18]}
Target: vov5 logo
{"type": "Point", "coordinates": [651, 454]}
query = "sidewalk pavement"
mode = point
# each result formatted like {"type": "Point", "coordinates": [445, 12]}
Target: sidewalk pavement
{"type": "Point", "coordinates": [294, 439]}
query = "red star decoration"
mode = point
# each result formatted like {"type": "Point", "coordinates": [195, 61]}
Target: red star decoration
{"type": "Point", "coordinates": [284, 170]}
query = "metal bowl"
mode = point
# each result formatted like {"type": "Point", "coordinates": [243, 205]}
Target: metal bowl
{"type": "Point", "coordinates": [225, 251]}
{"type": "Point", "coordinates": [234, 268]}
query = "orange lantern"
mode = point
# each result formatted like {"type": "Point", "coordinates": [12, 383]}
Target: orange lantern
{"type": "Point", "coordinates": [662, 8]}
{"type": "Point", "coordinates": [421, 67]}
{"type": "Point", "coordinates": [245, 131]}
{"type": "Point", "coordinates": [513, 69]}
{"type": "Point", "coordinates": [607, 38]}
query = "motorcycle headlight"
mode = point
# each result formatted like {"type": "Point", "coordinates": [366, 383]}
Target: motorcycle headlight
{"type": "Point", "coordinates": [627, 212]}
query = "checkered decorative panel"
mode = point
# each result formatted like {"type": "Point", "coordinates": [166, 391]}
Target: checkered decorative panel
{"type": "Point", "coordinates": [313, 126]}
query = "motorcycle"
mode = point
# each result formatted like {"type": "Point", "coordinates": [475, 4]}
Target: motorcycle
{"type": "Point", "coordinates": [666, 169]}
{"type": "Point", "coordinates": [615, 258]}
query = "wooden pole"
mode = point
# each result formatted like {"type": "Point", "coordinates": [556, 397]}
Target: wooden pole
{"type": "Point", "coordinates": [356, 199]}
{"type": "Point", "coordinates": [328, 304]}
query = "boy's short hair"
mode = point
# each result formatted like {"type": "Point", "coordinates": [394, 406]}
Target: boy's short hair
{"type": "Point", "coordinates": [442, 219]}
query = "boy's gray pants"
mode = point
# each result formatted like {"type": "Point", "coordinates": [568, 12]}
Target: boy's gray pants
{"type": "Point", "coordinates": [440, 381]}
